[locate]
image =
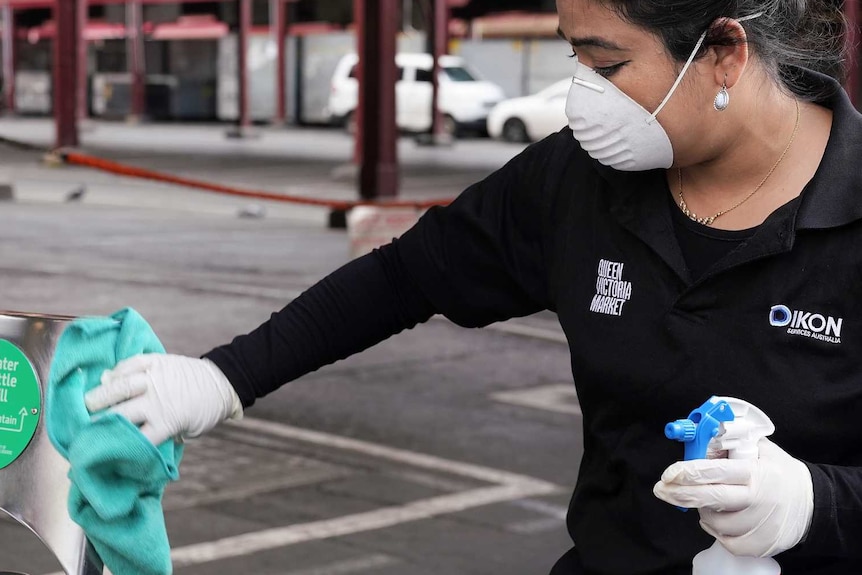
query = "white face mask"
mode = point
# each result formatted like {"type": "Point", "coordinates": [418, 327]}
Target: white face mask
{"type": "Point", "coordinates": [614, 129]}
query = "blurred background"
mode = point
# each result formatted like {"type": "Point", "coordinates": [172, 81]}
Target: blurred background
{"type": "Point", "coordinates": [180, 61]}
{"type": "Point", "coordinates": [205, 162]}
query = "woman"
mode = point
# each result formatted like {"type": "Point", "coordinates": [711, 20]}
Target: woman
{"type": "Point", "coordinates": [697, 236]}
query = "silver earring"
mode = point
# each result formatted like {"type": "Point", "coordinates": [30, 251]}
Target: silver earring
{"type": "Point", "coordinates": [722, 99]}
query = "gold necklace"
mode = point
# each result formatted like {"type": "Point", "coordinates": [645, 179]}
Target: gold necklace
{"type": "Point", "coordinates": [707, 221]}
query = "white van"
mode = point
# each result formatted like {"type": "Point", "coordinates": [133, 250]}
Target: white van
{"type": "Point", "coordinates": [465, 100]}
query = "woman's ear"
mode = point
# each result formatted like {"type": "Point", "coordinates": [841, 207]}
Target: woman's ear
{"type": "Point", "coordinates": [730, 53]}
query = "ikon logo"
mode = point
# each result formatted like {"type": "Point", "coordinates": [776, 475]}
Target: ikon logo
{"type": "Point", "coordinates": [806, 323]}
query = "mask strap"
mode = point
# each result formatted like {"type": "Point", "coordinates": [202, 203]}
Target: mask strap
{"type": "Point", "coordinates": [688, 63]}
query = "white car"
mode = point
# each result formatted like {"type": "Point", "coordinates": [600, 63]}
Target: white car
{"type": "Point", "coordinates": [533, 117]}
{"type": "Point", "coordinates": [465, 99]}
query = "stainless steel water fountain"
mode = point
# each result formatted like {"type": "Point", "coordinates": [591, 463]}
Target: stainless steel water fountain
{"type": "Point", "coordinates": [34, 486]}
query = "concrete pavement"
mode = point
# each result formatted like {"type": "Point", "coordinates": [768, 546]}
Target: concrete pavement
{"type": "Point", "coordinates": [308, 162]}
{"type": "Point", "coordinates": [441, 451]}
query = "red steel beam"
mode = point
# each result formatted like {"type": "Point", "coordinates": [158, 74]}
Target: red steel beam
{"type": "Point", "coordinates": [439, 42]}
{"type": "Point", "coordinates": [66, 73]}
{"type": "Point", "coordinates": [9, 58]}
{"type": "Point", "coordinates": [242, 68]}
{"type": "Point", "coordinates": [359, 113]}
{"type": "Point", "coordinates": [278, 24]}
{"type": "Point", "coordinates": [135, 58]}
{"type": "Point", "coordinates": [82, 47]}
{"type": "Point", "coordinates": [378, 174]}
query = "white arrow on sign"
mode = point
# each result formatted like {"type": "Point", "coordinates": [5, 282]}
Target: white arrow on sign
{"type": "Point", "coordinates": [22, 414]}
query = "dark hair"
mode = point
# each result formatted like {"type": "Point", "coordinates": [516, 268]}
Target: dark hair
{"type": "Point", "coordinates": [789, 35]}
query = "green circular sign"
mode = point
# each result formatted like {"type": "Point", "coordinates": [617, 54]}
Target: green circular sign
{"type": "Point", "coordinates": [20, 402]}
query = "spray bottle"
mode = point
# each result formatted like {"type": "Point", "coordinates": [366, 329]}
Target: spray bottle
{"type": "Point", "coordinates": [734, 426]}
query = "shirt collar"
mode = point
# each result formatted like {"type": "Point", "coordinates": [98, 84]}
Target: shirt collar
{"type": "Point", "coordinates": [832, 198]}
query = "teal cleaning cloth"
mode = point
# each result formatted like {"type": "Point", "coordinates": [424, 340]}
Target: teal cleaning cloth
{"type": "Point", "coordinates": [118, 477]}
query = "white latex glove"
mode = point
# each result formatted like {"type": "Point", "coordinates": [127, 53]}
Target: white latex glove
{"type": "Point", "coordinates": [753, 507]}
{"type": "Point", "coordinates": [167, 395]}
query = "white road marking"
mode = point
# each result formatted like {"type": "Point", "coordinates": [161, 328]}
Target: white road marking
{"type": "Point", "coordinates": [242, 492]}
{"type": "Point", "coordinates": [204, 482]}
{"type": "Point", "coordinates": [555, 517]}
{"type": "Point", "coordinates": [506, 486]}
{"type": "Point", "coordinates": [430, 480]}
{"type": "Point", "coordinates": [549, 509]}
{"type": "Point", "coordinates": [536, 525]}
{"type": "Point", "coordinates": [279, 537]}
{"type": "Point", "coordinates": [510, 486]}
{"type": "Point", "coordinates": [561, 398]}
{"type": "Point", "coordinates": [403, 456]}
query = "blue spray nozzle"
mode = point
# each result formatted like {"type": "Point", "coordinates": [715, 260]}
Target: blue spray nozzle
{"type": "Point", "coordinates": [703, 424]}
{"type": "Point", "coordinates": [681, 430]}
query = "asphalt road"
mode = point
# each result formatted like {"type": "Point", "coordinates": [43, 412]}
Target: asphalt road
{"type": "Point", "coordinates": [441, 451]}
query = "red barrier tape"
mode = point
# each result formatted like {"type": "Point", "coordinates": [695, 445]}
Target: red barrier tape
{"type": "Point", "coordinates": [79, 159]}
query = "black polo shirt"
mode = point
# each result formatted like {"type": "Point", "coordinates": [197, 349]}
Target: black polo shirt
{"type": "Point", "coordinates": [556, 230]}
{"type": "Point", "coordinates": [777, 321]}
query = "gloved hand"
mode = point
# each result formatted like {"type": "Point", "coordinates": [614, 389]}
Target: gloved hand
{"type": "Point", "coordinates": [753, 507]}
{"type": "Point", "coordinates": [167, 395]}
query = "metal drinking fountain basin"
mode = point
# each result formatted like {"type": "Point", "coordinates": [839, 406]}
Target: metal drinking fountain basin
{"type": "Point", "coordinates": [34, 486]}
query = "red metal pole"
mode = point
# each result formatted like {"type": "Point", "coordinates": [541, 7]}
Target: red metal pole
{"type": "Point", "coordinates": [66, 73]}
{"type": "Point", "coordinates": [378, 175]}
{"type": "Point", "coordinates": [851, 11]}
{"type": "Point", "coordinates": [440, 39]}
{"type": "Point", "coordinates": [359, 113]}
{"type": "Point", "coordinates": [135, 51]}
{"type": "Point", "coordinates": [9, 58]}
{"type": "Point", "coordinates": [83, 18]}
{"type": "Point", "coordinates": [279, 29]}
{"type": "Point", "coordinates": [242, 69]}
